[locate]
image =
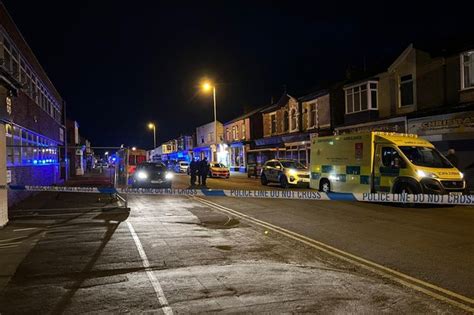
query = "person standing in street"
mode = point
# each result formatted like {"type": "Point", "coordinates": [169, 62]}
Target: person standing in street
{"type": "Point", "coordinates": [452, 157]}
{"type": "Point", "coordinates": [193, 170]}
{"type": "Point", "coordinates": [203, 170]}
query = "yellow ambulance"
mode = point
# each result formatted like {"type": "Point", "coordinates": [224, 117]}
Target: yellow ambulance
{"type": "Point", "coordinates": [381, 162]}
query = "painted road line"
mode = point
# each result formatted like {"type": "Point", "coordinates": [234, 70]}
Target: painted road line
{"type": "Point", "coordinates": [429, 289]}
{"type": "Point", "coordinates": [10, 239]}
{"type": "Point", "coordinates": [8, 245]}
{"type": "Point", "coordinates": [25, 229]}
{"type": "Point", "coordinates": [149, 272]}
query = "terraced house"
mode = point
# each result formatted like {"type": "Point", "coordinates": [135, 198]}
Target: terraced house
{"type": "Point", "coordinates": [425, 92]}
{"type": "Point", "coordinates": [289, 124]}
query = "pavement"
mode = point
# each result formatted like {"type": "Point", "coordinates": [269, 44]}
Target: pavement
{"type": "Point", "coordinates": [79, 253]}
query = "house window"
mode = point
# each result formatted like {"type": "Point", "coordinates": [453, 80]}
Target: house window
{"type": "Point", "coordinates": [234, 132]}
{"type": "Point", "coordinates": [293, 121]}
{"type": "Point", "coordinates": [286, 121]}
{"type": "Point", "coordinates": [227, 134]}
{"type": "Point", "coordinates": [210, 137]}
{"type": "Point", "coordinates": [244, 135]}
{"type": "Point", "coordinates": [273, 123]}
{"type": "Point", "coordinates": [361, 97]}
{"type": "Point", "coordinates": [467, 70]}
{"type": "Point", "coordinates": [312, 112]}
{"type": "Point", "coordinates": [406, 90]}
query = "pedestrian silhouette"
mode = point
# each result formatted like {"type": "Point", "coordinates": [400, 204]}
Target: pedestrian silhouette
{"type": "Point", "coordinates": [203, 171]}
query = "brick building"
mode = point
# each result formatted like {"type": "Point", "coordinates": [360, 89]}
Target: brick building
{"type": "Point", "coordinates": [32, 110]}
{"type": "Point", "coordinates": [207, 144]}
{"type": "Point", "coordinates": [238, 136]}
{"type": "Point", "coordinates": [425, 92]}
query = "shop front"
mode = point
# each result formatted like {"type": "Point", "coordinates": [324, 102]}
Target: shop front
{"type": "Point", "coordinates": [448, 131]}
{"type": "Point", "coordinates": [236, 156]}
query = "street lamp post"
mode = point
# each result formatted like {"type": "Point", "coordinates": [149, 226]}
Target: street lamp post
{"type": "Point", "coordinates": [153, 126]}
{"type": "Point", "coordinates": [207, 86]}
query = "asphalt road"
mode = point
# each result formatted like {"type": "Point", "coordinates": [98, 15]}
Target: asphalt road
{"type": "Point", "coordinates": [434, 244]}
{"type": "Point", "coordinates": [63, 253]}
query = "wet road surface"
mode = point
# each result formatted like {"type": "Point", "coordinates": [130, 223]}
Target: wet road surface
{"type": "Point", "coordinates": [178, 255]}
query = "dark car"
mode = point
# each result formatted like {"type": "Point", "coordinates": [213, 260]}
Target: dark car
{"type": "Point", "coordinates": [152, 175]}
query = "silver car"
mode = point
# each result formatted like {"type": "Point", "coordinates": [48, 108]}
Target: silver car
{"type": "Point", "coordinates": [181, 167]}
{"type": "Point", "coordinates": [284, 172]}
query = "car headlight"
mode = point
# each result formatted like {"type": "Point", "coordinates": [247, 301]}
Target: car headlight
{"type": "Point", "coordinates": [461, 174]}
{"type": "Point", "coordinates": [142, 175]}
{"type": "Point", "coordinates": [292, 172]}
{"type": "Point", "coordinates": [168, 175]}
{"type": "Point", "coordinates": [426, 174]}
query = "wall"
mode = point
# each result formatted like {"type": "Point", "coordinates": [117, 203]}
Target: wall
{"type": "Point", "coordinates": [42, 175]}
{"type": "Point", "coordinates": [3, 177]}
{"type": "Point", "coordinates": [292, 104]}
{"type": "Point", "coordinates": [323, 113]}
{"type": "Point", "coordinates": [389, 85]}
{"type": "Point", "coordinates": [203, 131]}
{"type": "Point", "coordinates": [430, 88]}
{"type": "Point", "coordinates": [8, 24]}
{"type": "Point", "coordinates": [28, 114]}
{"type": "Point", "coordinates": [228, 135]}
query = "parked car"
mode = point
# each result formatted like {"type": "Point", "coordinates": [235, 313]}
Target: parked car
{"type": "Point", "coordinates": [151, 175]}
{"type": "Point", "coordinates": [218, 170]}
{"type": "Point", "coordinates": [284, 172]}
{"type": "Point", "coordinates": [181, 167]}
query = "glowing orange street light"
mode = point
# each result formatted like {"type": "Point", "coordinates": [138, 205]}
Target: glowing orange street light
{"type": "Point", "coordinates": [152, 126]}
{"type": "Point", "coordinates": [207, 86]}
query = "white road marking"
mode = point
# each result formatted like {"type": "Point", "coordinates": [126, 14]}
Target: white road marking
{"type": "Point", "coordinates": [149, 272]}
{"type": "Point", "coordinates": [9, 245]}
{"type": "Point", "coordinates": [9, 239]}
{"type": "Point", "coordinates": [429, 289]}
{"type": "Point", "coordinates": [25, 229]}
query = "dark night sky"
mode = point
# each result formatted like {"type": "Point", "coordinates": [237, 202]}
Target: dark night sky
{"type": "Point", "coordinates": [119, 66]}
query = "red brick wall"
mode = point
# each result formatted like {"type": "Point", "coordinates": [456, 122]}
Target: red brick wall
{"type": "Point", "coordinates": [27, 114]}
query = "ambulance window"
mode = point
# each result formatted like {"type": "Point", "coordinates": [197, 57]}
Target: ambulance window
{"type": "Point", "coordinates": [388, 155]}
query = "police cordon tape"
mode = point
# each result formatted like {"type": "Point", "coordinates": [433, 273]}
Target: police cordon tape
{"type": "Point", "coordinates": [266, 194]}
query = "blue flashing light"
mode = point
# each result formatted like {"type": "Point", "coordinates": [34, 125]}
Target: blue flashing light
{"type": "Point", "coordinates": [35, 161]}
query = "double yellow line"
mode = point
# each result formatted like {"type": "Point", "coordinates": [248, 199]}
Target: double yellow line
{"type": "Point", "coordinates": [429, 289]}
